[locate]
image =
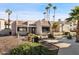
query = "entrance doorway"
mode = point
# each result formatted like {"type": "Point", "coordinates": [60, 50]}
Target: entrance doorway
{"type": "Point", "coordinates": [32, 30]}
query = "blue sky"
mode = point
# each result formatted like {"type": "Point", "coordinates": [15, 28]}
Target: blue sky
{"type": "Point", "coordinates": [34, 11]}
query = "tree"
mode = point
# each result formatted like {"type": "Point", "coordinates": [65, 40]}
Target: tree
{"type": "Point", "coordinates": [74, 15]}
{"type": "Point", "coordinates": [47, 10]}
{"type": "Point", "coordinates": [44, 15]}
{"type": "Point", "coordinates": [49, 6]}
{"type": "Point", "coordinates": [9, 12]}
{"type": "Point", "coordinates": [54, 8]}
{"type": "Point", "coordinates": [62, 24]}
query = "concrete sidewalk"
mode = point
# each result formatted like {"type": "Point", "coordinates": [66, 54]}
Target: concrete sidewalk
{"type": "Point", "coordinates": [72, 49]}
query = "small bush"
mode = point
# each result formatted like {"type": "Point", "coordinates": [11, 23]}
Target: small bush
{"type": "Point", "coordinates": [51, 36]}
{"type": "Point", "coordinates": [69, 36]}
{"type": "Point", "coordinates": [35, 38]}
{"type": "Point", "coordinates": [65, 33]}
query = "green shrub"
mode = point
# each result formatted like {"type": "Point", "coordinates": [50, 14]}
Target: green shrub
{"type": "Point", "coordinates": [31, 49]}
{"type": "Point", "coordinates": [65, 33]}
{"type": "Point", "coordinates": [69, 36]}
{"type": "Point", "coordinates": [51, 36]}
{"type": "Point", "coordinates": [22, 49]}
{"type": "Point", "coordinates": [34, 36]}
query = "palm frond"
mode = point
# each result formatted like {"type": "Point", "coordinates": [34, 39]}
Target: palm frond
{"type": "Point", "coordinates": [50, 5]}
{"type": "Point", "coordinates": [69, 19]}
{"type": "Point", "coordinates": [8, 11]}
{"type": "Point", "coordinates": [47, 8]}
{"type": "Point", "coordinates": [54, 7]}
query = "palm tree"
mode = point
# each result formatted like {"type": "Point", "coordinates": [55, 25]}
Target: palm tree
{"type": "Point", "coordinates": [44, 15]}
{"type": "Point", "coordinates": [8, 11]}
{"type": "Point", "coordinates": [60, 22]}
{"type": "Point", "coordinates": [47, 10]}
{"type": "Point", "coordinates": [54, 8]}
{"type": "Point", "coordinates": [5, 25]}
{"type": "Point", "coordinates": [50, 6]}
{"type": "Point", "coordinates": [74, 15]}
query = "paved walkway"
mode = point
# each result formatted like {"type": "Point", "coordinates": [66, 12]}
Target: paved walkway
{"type": "Point", "coordinates": [72, 48]}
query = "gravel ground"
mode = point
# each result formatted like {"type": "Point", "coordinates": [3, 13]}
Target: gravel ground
{"type": "Point", "coordinates": [8, 42]}
{"type": "Point", "coordinates": [67, 47]}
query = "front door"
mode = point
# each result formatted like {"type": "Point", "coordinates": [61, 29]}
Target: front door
{"type": "Point", "coordinates": [32, 30]}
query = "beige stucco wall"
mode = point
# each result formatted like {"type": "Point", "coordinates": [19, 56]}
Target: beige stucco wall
{"type": "Point", "coordinates": [66, 28]}
{"type": "Point", "coordinates": [14, 28]}
{"type": "Point", "coordinates": [2, 26]}
{"type": "Point", "coordinates": [38, 28]}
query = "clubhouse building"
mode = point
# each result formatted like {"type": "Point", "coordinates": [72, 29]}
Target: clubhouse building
{"type": "Point", "coordinates": [37, 27]}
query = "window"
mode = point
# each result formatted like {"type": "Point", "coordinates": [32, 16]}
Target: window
{"type": "Point", "coordinates": [45, 29]}
{"type": "Point", "coordinates": [21, 29]}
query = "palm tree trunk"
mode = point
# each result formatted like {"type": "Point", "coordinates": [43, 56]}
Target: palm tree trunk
{"type": "Point", "coordinates": [62, 27]}
{"type": "Point", "coordinates": [44, 16]}
{"type": "Point", "coordinates": [5, 24]}
{"type": "Point", "coordinates": [54, 15]}
{"type": "Point", "coordinates": [8, 21]}
{"type": "Point", "coordinates": [77, 32]}
{"type": "Point", "coordinates": [47, 14]}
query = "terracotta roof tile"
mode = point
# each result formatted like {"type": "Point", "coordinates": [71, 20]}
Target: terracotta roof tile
{"type": "Point", "coordinates": [45, 23]}
{"type": "Point", "coordinates": [21, 23]}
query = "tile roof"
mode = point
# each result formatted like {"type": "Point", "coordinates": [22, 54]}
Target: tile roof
{"type": "Point", "coordinates": [45, 23]}
{"type": "Point", "coordinates": [21, 23]}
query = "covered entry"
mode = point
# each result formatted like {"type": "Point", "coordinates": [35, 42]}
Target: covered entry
{"type": "Point", "coordinates": [22, 30]}
{"type": "Point", "coordinates": [32, 30]}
